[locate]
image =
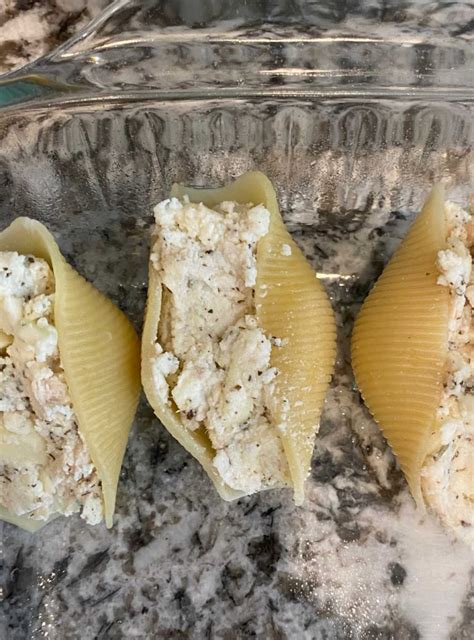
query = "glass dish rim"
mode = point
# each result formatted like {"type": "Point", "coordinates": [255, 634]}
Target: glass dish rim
{"type": "Point", "coordinates": [43, 75]}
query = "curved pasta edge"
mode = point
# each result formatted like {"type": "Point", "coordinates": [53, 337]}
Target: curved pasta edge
{"type": "Point", "coordinates": [26, 235]}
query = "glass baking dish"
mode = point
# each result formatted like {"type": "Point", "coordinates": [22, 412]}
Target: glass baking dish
{"type": "Point", "coordinates": [353, 110]}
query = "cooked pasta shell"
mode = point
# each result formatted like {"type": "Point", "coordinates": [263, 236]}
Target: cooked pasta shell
{"type": "Point", "coordinates": [23, 521]}
{"type": "Point", "coordinates": [291, 303]}
{"type": "Point", "coordinates": [99, 352]}
{"type": "Point", "coordinates": [400, 342]}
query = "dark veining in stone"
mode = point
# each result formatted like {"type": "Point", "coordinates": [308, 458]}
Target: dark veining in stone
{"type": "Point", "coordinates": [45, 24]}
{"type": "Point", "coordinates": [397, 573]}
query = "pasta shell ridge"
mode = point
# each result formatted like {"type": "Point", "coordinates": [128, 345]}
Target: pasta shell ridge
{"type": "Point", "coordinates": [291, 304]}
{"type": "Point", "coordinates": [399, 343]}
{"type": "Point", "coordinates": [99, 353]}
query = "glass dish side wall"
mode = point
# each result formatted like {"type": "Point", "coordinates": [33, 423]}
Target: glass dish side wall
{"type": "Point", "coordinates": [220, 47]}
{"type": "Point", "coordinates": [350, 176]}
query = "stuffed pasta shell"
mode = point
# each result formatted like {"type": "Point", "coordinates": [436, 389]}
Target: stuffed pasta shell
{"type": "Point", "coordinates": [238, 343]}
{"type": "Point", "coordinates": [69, 385]}
{"type": "Point", "coordinates": [412, 353]}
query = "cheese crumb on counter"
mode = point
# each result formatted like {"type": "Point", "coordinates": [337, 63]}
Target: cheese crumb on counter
{"type": "Point", "coordinates": [45, 467]}
{"type": "Point", "coordinates": [448, 472]}
{"type": "Point", "coordinates": [212, 359]}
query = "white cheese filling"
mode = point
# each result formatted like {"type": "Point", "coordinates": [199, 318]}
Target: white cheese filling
{"type": "Point", "coordinates": [45, 467]}
{"type": "Point", "coordinates": [448, 473]}
{"type": "Point", "coordinates": [212, 359]}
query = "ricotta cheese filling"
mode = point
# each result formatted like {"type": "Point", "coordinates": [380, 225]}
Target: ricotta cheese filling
{"type": "Point", "coordinates": [212, 359]}
{"type": "Point", "coordinates": [45, 468]}
{"type": "Point", "coordinates": [448, 473]}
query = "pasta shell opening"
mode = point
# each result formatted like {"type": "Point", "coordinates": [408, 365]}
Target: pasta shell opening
{"type": "Point", "coordinates": [99, 352]}
{"type": "Point", "coordinates": [291, 306]}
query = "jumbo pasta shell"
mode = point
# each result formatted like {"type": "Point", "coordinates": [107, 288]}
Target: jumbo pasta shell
{"type": "Point", "coordinates": [292, 304]}
{"type": "Point", "coordinates": [400, 343]}
{"type": "Point", "coordinates": [99, 352]}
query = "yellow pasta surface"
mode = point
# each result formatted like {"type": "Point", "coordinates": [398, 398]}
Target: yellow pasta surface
{"type": "Point", "coordinates": [400, 342]}
{"type": "Point", "coordinates": [99, 352]}
{"type": "Point", "coordinates": [291, 304]}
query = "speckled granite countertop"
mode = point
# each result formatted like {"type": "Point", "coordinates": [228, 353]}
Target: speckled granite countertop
{"type": "Point", "coordinates": [31, 28]}
{"type": "Point", "coordinates": [357, 562]}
